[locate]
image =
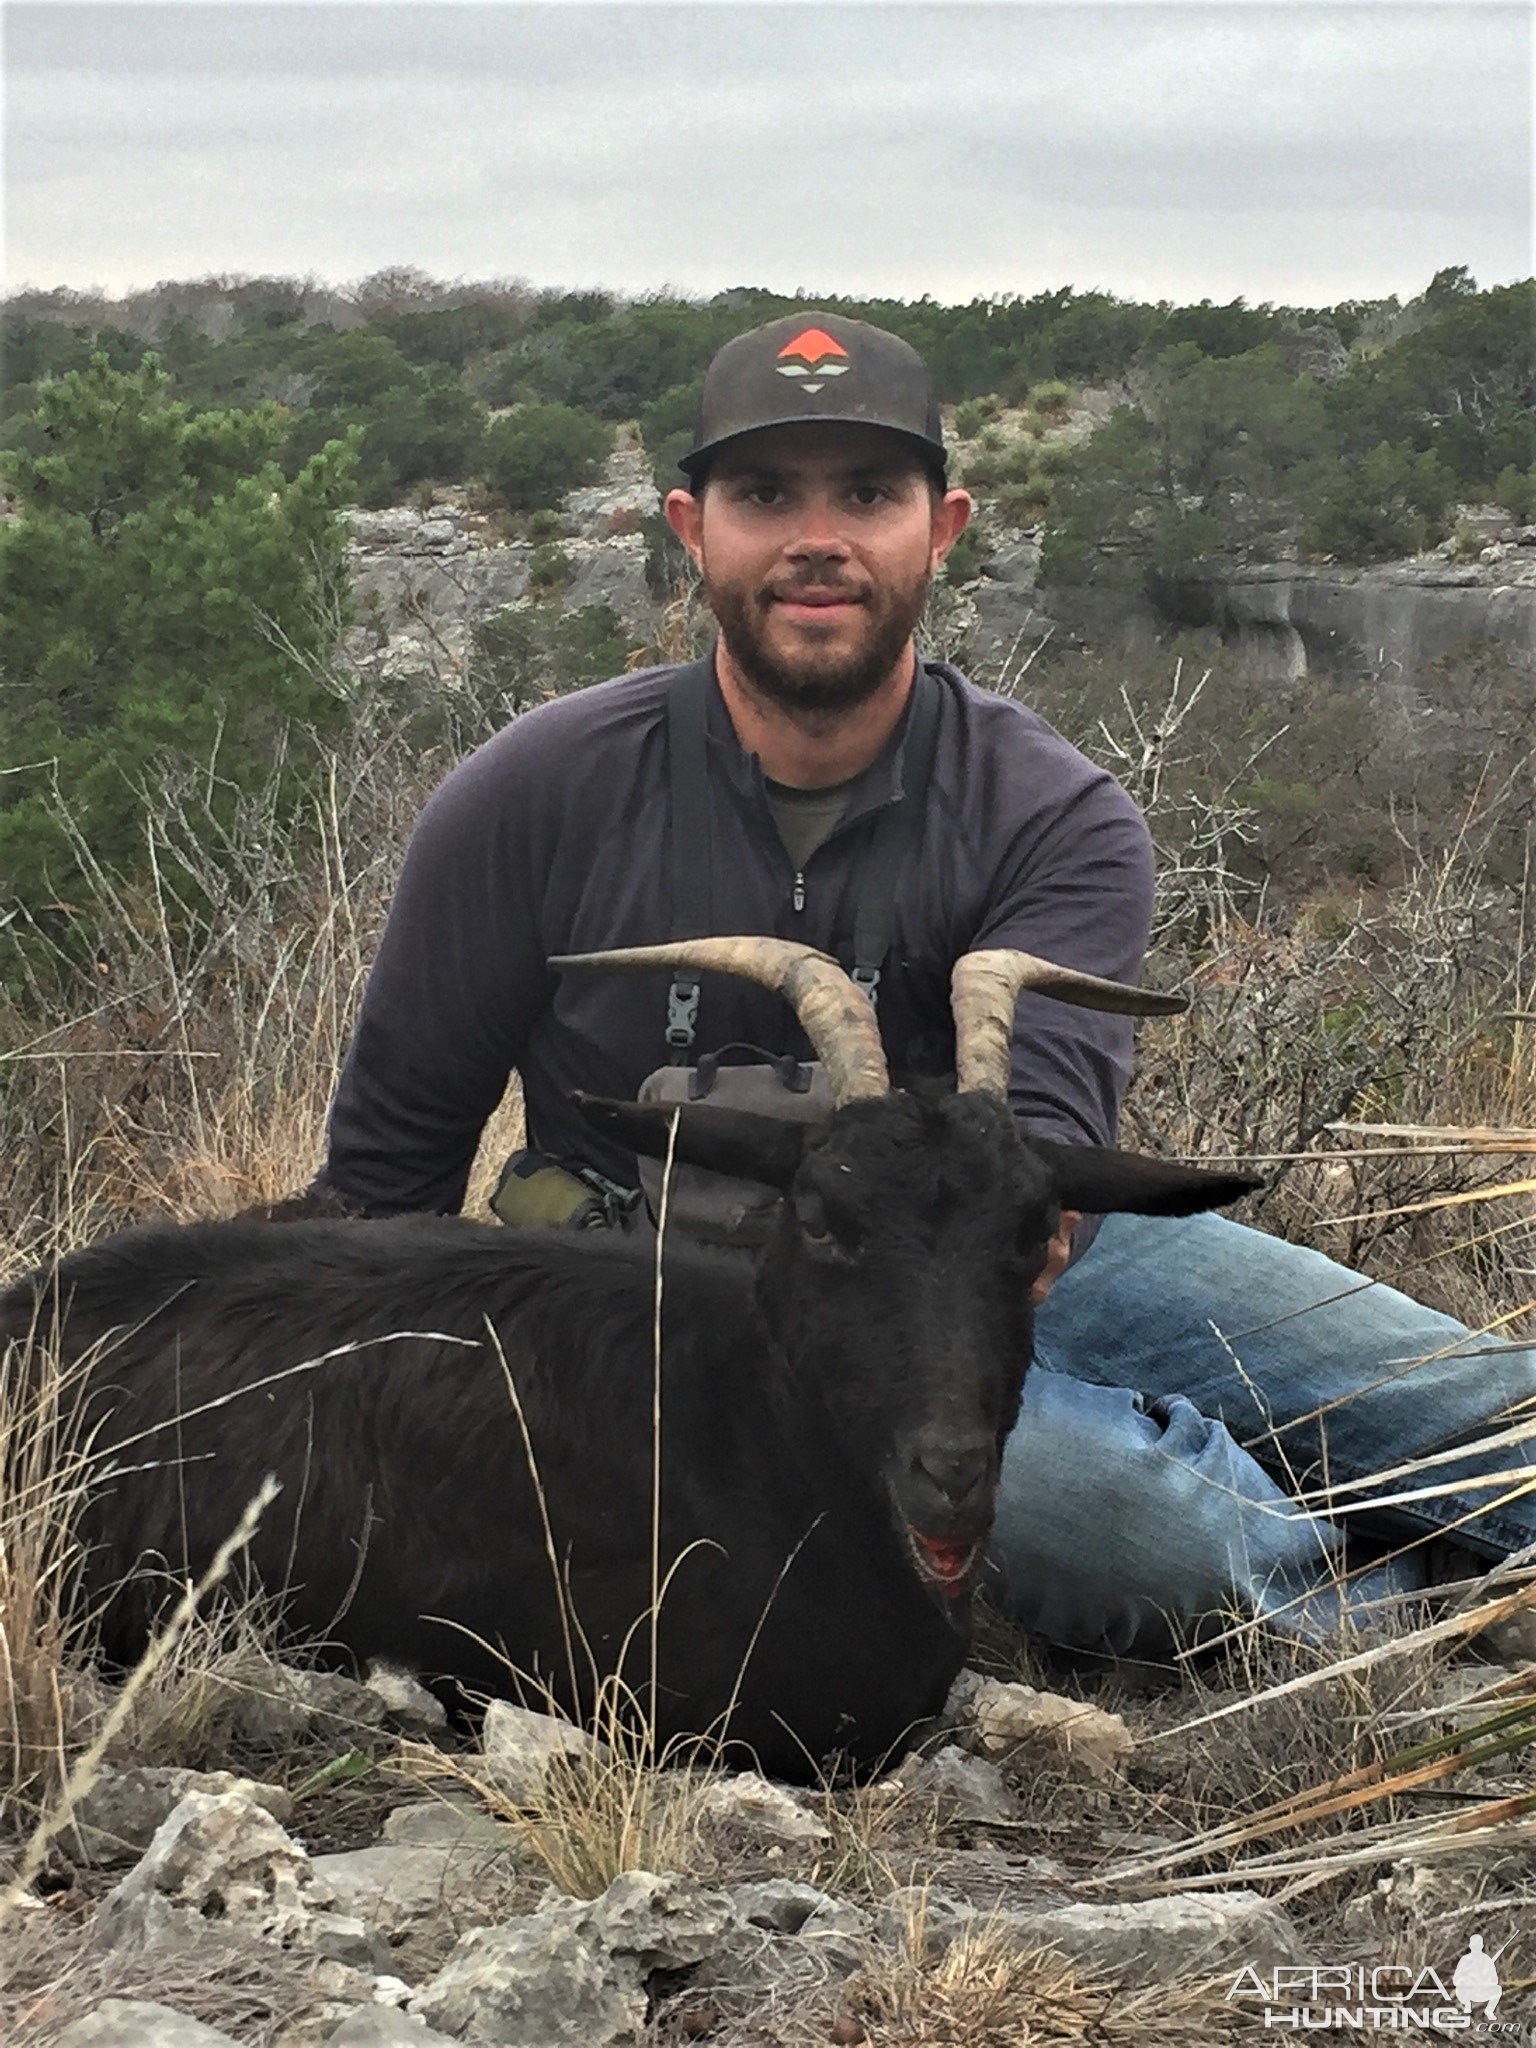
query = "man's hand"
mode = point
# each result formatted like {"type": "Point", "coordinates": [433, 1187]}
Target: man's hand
{"type": "Point", "coordinates": [1057, 1254]}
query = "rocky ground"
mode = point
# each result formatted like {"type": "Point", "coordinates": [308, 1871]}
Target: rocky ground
{"type": "Point", "coordinates": [360, 1878]}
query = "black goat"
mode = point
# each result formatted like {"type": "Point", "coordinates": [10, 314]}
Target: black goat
{"type": "Point", "coordinates": [833, 1411]}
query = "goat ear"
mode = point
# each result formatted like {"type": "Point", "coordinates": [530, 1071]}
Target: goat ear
{"type": "Point", "coordinates": [734, 1141]}
{"type": "Point", "coordinates": [1102, 1182]}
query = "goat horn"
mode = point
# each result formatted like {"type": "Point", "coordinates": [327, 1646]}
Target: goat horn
{"type": "Point", "coordinates": [985, 987]}
{"type": "Point", "coordinates": [836, 1014]}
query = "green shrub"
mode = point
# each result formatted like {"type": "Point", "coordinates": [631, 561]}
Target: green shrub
{"type": "Point", "coordinates": [170, 596]}
{"type": "Point", "coordinates": [964, 560]}
{"type": "Point", "coordinates": [1052, 400]}
{"type": "Point", "coordinates": [549, 568]}
{"type": "Point", "coordinates": [1025, 503]}
{"type": "Point", "coordinates": [974, 414]}
{"type": "Point", "coordinates": [1466, 542]}
{"type": "Point", "coordinates": [668, 429]}
{"type": "Point", "coordinates": [546, 525]}
{"type": "Point", "coordinates": [1515, 490]}
{"type": "Point", "coordinates": [536, 453]}
{"type": "Point", "coordinates": [1053, 458]}
{"type": "Point", "coordinates": [997, 464]}
{"type": "Point", "coordinates": [531, 652]}
{"type": "Point", "coordinates": [433, 433]}
{"type": "Point", "coordinates": [1393, 501]}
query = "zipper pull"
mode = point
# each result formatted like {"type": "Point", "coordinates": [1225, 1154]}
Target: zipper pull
{"type": "Point", "coordinates": [798, 898]}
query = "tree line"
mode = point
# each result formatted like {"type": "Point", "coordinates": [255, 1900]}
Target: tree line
{"type": "Point", "coordinates": [1233, 419]}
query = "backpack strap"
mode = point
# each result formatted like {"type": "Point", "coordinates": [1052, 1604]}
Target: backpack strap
{"type": "Point", "coordinates": [692, 853]}
{"type": "Point", "coordinates": [895, 833]}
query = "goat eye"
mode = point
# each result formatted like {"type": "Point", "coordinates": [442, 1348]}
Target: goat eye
{"type": "Point", "coordinates": [816, 1229]}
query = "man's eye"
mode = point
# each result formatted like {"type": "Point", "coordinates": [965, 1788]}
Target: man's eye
{"type": "Point", "coordinates": [871, 494]}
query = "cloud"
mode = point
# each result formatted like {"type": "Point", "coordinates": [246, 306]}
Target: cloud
{"type": "Point", "coordinates": [1282, 151]}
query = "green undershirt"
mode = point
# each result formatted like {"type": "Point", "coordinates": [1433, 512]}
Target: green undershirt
{"type": "Point", "coordinates": [807, 817]}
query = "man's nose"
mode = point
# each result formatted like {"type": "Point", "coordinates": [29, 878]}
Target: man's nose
{"type": "Point", "coordinates": [818, 533]}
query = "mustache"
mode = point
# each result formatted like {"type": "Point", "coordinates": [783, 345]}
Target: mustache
{"type": "Point", "coordinates": [819, 586]}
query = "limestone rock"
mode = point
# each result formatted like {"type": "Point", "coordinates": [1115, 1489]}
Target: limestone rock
{"type": "Point", "coordinates": [664, 1923]}
{"type": "Point", "coordinates": [116, 1819]}
{"type": "Point", "coordinates": [378, 2027]}
{"type": "Point", "coordinates": [406, 1700]}
{"type": "Point", "coordinates": [438, 1824]}
{"type": "Point", "coordinates": [627, 489]}
{"type": "Point", "coordinates": [397, 526]}
{"type": "Point", "coordinates": [837, 1919]}
{"type": "Point", "coordinates": [287, 1705]}
{"type": "Point", "coordinates": [1015, 561]}
{"type": "Point", "coordinates": [1004, 621]}
{"type": "Point", "coordinates": [519, 1747]}
{"type": "Point", "coordinates": [395, 1888]}
{"type": "Point", "coordinates": [968, 1787]}
{"type": "Point", "coordinates": [750, 1802]}
{"type": "Point", "coordinates": [139, 2023]}
{"type": "Point", "coordinates": [1132, 1942]}
{"type": "Point", "coordinates": [611, 573]}
{"type": "Point", "coordinates": [1145, 1941]}
{"type": "Point", "coordinates": [995, 1718]}
{"type": "Point", "coordinates": [218, 1856]}
{"type": "Point", "coordinates": [534, 1983]}
{"type": "Point", "coordinates": [345, 1938]}
{"type": "Point", "coordinates": [573, 1974]}
{"type": "Point", "coordinates": [781, 1905]}
{"type": "Point", "coordinates": [790, 1937]}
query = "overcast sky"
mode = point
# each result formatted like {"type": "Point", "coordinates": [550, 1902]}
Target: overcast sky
{"type": "Point", "coordinates": [1298, 152]}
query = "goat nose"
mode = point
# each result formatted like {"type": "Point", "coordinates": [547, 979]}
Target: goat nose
{"type": "Point", "coordinates": [956, 1469]}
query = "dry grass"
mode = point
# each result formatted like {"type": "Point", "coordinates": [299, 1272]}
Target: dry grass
{"type": "Point", "coordinates": [985, 1990]}
{"type": "Point", "coordinates": [883, 1838]}
{"type": "Point", "coordinates": [51, 1974]}
{"type": "Point", "coordinates": [614, 1807]}
{"type": "Point", "coordinates": [43, 1470]}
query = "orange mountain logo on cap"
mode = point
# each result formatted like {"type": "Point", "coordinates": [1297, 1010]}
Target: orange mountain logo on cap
{"type": "Point", "coordinates": [811, 358]}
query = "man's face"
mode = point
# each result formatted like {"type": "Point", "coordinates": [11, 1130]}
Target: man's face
{"type": "Point", "coordinates": [817, 544]}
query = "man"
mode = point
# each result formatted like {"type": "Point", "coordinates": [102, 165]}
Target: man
{"type": "Point", "coordinates": [817, 512]}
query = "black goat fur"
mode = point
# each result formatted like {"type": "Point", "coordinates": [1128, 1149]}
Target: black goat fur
{"type": "Point", "coordinates": [895, 1290]}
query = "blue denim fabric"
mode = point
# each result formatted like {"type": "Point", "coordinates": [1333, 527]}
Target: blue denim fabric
{"type": "Point", "coordinates": [1192, 1376]}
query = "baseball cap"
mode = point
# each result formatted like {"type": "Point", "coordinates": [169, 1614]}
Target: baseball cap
{"type": "Point", "coordinates": [815, 366]}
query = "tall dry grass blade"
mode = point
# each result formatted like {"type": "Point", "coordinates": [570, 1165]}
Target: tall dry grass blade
{"type": "Point", "coordinates": [88, 1764]}
{"type": "Point", "coordinates": [673, 1123]}
{"type": "Point", "coordinates": [1438, 1202]}
{"type": "Point", "coordinates": [562, 1590]}
{"type": "Point", "coordinates": [1407, 1770]}
{"type": "Point", "coordinates": [1450, 1628]}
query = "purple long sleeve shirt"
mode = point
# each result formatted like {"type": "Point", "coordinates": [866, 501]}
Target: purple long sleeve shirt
{"type": "Point", "coordinates": [553, 838]}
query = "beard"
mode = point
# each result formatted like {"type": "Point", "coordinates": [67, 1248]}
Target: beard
{"type": "Point", "coordinates": [817, 679]}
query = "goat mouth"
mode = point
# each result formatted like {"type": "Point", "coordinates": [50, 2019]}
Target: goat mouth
{"type": "Point", "coordinates": [941, 1561]}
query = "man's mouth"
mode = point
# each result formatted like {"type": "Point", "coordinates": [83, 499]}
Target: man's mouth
{"type": "Point", "coordinates": [816, 603]}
